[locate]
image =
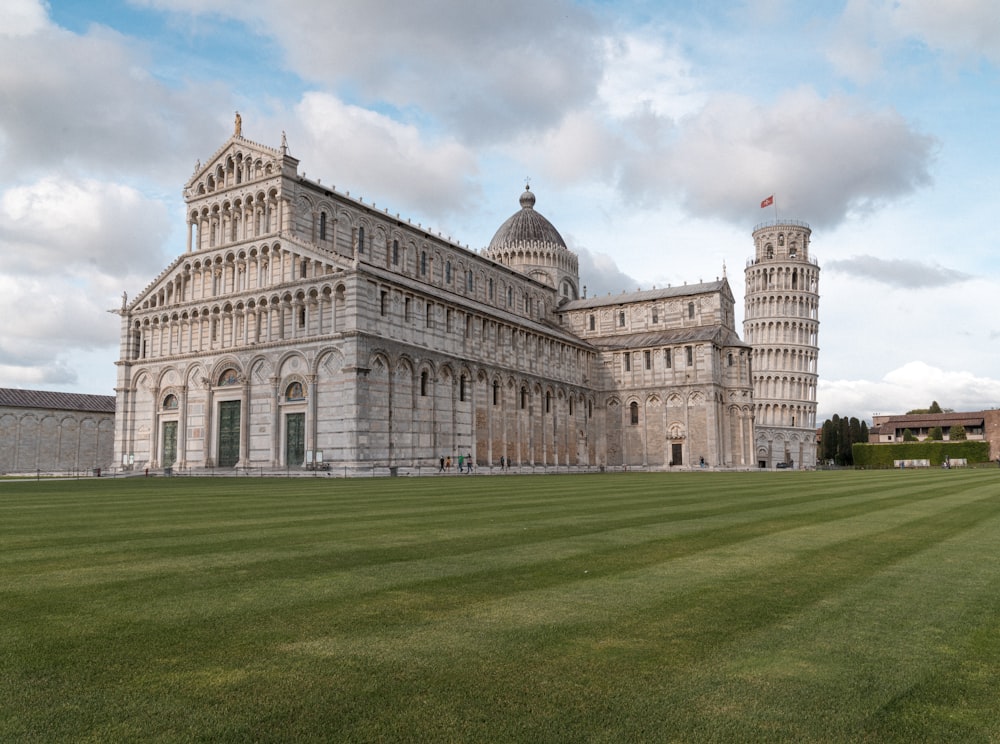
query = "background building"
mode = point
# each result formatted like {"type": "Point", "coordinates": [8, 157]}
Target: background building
{"type": "Point", "coordinates": [305, 328]}
{"type": "Point", "coordinates": [55, 432]}
{"type": "Point", "coordinates": [781, 323]}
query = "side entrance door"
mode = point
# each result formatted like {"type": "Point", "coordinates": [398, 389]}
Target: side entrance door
{"type": "Point", "coordinates": [229, 433]}
{"type": "Point", "coordinates": [677, 453]}
{"type": "Point", "coordinates": [169, 443]}
{"type": "Point", "coordinates": [295, 439]}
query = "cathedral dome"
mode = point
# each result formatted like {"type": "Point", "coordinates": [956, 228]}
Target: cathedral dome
{"type": "Point", "coordinates": [526, 226]}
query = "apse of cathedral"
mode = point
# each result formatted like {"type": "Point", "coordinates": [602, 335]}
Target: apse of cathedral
{"type": "Point", "coordinates": [302, 328]}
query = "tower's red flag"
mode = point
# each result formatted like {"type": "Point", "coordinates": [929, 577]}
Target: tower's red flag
{"type": "Point", "coordinates": [767, 202]}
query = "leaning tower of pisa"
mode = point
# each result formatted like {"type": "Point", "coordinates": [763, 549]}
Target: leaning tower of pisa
{"type": "Point", "coordinates": [781, 323]}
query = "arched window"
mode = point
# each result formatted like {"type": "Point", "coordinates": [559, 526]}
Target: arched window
{"type": "Point", "coordinates": [423, 263]}
{"type": "Point", "coordinates": [491, 288]}
{"type": "Point", "coordinates": [322, 225]}
{"type": "Point", "coordinates": [447, 272]}
{"type": "Point", "coordinates": [593, 322]}
{"type": "Point", "coordinates": [633, 410]}
{"type": "Point", "coordinates": [423, 383]}
{"type": "Point", "coordinates": [548, 402]}
{"type": "Point", "coordinates": [496, 393]}
{"type": "Point", "coordinates": [461, 388]}
{"type": "Point", "coordinates": [691, 310]}
{"type": "Point", "coordinates": [170, 402]}
{"type": "Point", "coordinates": [621, 318]}
{"type": "Point", "coordinates": [524, 398]}
{"type": "Point", "coordinates": [395, 253]}
{"type": "Point", "coordinates": [470, 284]}
{"type": "Point", "coordinates": [361, 240]}
{"type": "Point", "coordinates": [294, 391]}
{"type": "Point", "coordinates": [229, 377]}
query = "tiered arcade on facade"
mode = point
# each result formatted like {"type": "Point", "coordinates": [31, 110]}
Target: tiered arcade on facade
{"type": "Point", "coordinates": [305, 328]}
{"type": "Point", "coordinates": [781, 323]}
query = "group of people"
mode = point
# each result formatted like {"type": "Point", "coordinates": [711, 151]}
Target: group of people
{"type": "Point", "coordinates": [464, 464]}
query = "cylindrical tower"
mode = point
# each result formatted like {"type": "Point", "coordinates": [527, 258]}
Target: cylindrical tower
{"type": "Point", "coordinates": [781, 323]}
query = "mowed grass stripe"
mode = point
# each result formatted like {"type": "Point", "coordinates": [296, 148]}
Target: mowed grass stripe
{"type": "Point", "coordinates": [544, 609]}
{"type": "Point", "coordinates": [120, 559]}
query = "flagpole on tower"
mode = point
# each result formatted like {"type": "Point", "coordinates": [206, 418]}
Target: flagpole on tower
{"type": "Point", "coordinates": [770, 202]}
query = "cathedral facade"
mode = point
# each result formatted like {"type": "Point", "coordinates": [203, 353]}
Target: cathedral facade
{"type": "Point", "coordinates": [307, 329]}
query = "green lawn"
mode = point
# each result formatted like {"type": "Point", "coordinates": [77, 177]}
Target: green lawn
{"type": "Point", "coordinates": [688, 607]}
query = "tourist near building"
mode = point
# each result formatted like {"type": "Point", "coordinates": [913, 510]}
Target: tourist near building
{"type": "Point", "coordinates": [302, 327]}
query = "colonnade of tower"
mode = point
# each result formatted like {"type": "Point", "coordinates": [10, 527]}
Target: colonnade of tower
{"type": "Point", "coordinates": [781, 323]}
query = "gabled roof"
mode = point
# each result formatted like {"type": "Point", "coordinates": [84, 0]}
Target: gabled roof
{"type": "Point", "coordinates": [928, 420]}
{"type": "Point", "coordinates": [685, 290]}
{"type": "Point", "coordinates": [236, 142]}
{"type": "Point", "coordinates": [17, 398]}
{"type": "Point", "coordinates": [699, 334]}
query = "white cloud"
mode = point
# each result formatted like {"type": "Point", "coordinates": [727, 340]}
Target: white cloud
{"type": "Point", "coordinates": [22, 18]}
{"type": "Point", "coordinates": [913, 385]}
{"type": "Point", "coordinates": [485, 69]}
{"type": "Point", "coordinates": [56, 225]}
{"type": "Point", "coordinates": [67, 250]}
{"type": "Point", "coordinates": [963, 28]}
{"type": "Point", "coordinates": [374, 156]}
{"type": "Point", "coordinates": [642, 72]}
{"type": "Point", "coordinates": [824, 158]}
{"type": "Point", "coordinates": [87, 103]}
{"type": "Point", "coordinates": [857, 39]}
{"type": "Point", "coordinates": [898, 272]}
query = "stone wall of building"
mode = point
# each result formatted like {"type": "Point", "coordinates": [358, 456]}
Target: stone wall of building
{"type": "Point", "coordinates": [38, 436]}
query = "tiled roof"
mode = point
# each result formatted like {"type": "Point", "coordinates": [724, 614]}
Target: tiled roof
{"type": "Point", "coordinates": [711, 334]}
{"type": "Point", "coordinates": [927, 420]}
{"type": "Point", "coordinates": [16, 398]}
{"type": "Point", "coordinates": [645, 295]}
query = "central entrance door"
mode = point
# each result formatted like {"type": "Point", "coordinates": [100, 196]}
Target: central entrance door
{"type": "Point", "coordinates": [295, 439]}
{"type": "Point", "coordinates": [229, 433]}
{"type": "Point", "coordinates": [677, 453]}
{"type": "Point", "coordinates": [169, 443]}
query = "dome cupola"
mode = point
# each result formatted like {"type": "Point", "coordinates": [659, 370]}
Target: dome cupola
{"type": "Point", "coordinates": [529, 243]}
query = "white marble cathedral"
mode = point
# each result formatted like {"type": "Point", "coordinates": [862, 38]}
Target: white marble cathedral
{"type": "Point", "coordinates": [305, 328]}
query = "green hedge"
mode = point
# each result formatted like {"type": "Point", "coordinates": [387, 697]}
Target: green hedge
{"type": "Point", "coordinates": [883, 455]}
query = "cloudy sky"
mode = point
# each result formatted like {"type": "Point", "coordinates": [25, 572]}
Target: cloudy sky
{"type": "Point", "coordinates": [650, 130]}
